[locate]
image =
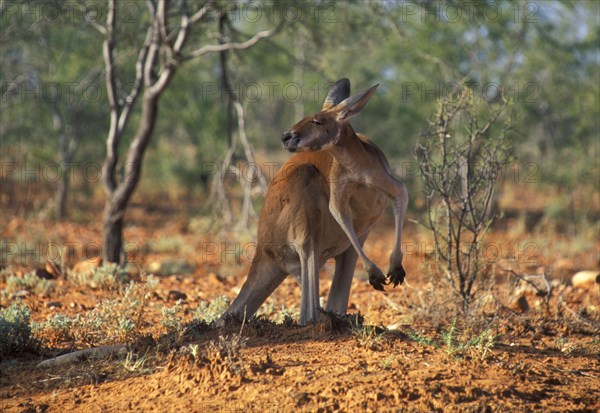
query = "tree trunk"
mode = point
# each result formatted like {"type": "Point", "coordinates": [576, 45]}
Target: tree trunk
{"type": "Point", "coordinates": [118, 198]}
{"type": "Point", "coordinates": [112, 242]}
{"type": "Point", "coordinates": [156, 64]}
{"type": "Point", "coordinates": [61, 196]}
{"type": "Point", "coordinates": [225, 86]}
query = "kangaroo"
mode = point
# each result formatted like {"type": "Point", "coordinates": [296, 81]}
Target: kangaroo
{"type": "Point", "coordinates": [322, 204]}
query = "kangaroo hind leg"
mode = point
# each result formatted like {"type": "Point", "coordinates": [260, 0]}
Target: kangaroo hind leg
{"type": "Point", "coordinates": [309, 279]}
{"type": "Point", "coordinates": [339, 293]}
{"type": "Point", "coordinates": [264, 277]}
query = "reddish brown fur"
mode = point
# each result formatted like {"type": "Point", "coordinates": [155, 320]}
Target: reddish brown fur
{"type": "Point", "coordinates": [321, 205]}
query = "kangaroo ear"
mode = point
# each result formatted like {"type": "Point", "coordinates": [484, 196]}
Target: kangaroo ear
{"type": "Point", "coordinates": [354, 104]}
{"type": "Point", "coordinates": [338, 92]}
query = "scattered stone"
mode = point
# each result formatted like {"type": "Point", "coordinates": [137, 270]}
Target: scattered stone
{"type": "Point", "coordinates": [521, 304]}
{"type": "Point", "coordinates": [53, 304]}
{"type": "Point", "coordinates": [175, 295]}
{"type": "Point", "coordinates": [215, 279]}
{"type": "Point", "coordinates": [42, 273]}
{"type": "Point", "coordinates": [20, 294]}
{"type": "Point", "coordinates": [53, 268]}
{"type": "Point", "coordinates": [585, 279]}
{"type": "Point", "coordinates": [154, 267]}
{"type": "Point", "coordinates": [300, 398]}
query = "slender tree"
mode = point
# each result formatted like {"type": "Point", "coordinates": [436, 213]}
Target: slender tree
{"type": "Point", "coordinates": [162, 53]}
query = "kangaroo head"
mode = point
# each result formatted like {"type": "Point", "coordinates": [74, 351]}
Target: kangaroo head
{"type": "Point", "coordinates": [322, 130]}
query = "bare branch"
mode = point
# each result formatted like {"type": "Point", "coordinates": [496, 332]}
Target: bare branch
{"type": "Point", "coordinates": [137, 83]}
{"type": "Point", "coordinates": [101, 29]}
{"type": "Point", "coordinates": [108, 54]}
{"type": "Point", "coordinates": [247, 147]}
{"type": "Point", "coordinates": [234, 46]}
{"type": "Point", "coordinates": [102, 351]}
{"type": "Point", "coordinates": [112, 141]}
{"type": "Point", "coordinates": [161, 19]}
{"type": "Point", "coordinates": [459, 171]}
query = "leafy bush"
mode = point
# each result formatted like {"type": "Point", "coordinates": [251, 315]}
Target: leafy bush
{"type": "Point", "coordinates": [56, 330]}
{"type": "Point", "coordinates": [171, 319]}
{"type": "Point", "coordinates": [106, 276]}
{"type": "Point", "coordinates": [111, 322]}
{"type": "Point", "coordinates": [15, 331]}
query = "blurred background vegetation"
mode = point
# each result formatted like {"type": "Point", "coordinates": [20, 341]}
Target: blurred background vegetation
{"type": "Point", "coordinates": [543, 56]}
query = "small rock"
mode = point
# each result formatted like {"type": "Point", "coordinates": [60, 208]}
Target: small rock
{"type": "Point", "coordinates": [42, 273]}
{"type": "Point", "coordinates": [53, 268]}
{"type": "Point", "coordinates": [215, 279]}
{"type": "Point", "coordinates": [584, 279]}
{"type": "Point", "coordinates": [521, 304]}
{"type": "Point", "coordinates": [154, 267]}
{"type": "Point", "coordinates": [175, 295]}
{"type": "Point", "coordinates": [300, 398]}
{"type": "Point", "coordinates": [20, 294]}
{"type": "Point", "coordinates": [53, 304]}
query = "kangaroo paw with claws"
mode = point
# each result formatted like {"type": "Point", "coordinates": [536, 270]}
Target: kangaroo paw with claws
{"type": "Point", "coordinates": [396, 276]}
{"type": "Point", "coordinates": [376, 278]}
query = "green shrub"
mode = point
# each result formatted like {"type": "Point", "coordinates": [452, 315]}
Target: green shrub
{"type": "Point", "coordinates": [15, 331]}
{"type": "Point", "coordinates": [107, 276]}
{"type": "Point", "coordinates": [209, 312]}
{"type": "Point", "coordinates": [29, 282]}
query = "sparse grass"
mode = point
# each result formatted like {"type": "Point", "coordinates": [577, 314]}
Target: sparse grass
{"type": "Point", "coordinates": [565, 346]}
{"type": "Point", "coordinates": [135, 363]}
{"type": "Point", "coordinates": [454, 341]}
{"type": "Point", "coordinates": [386, 364]}
{"type": "Point", "coordinates": [227, 352]}
{"type": "Point", "coordinates": [458, 345]}
{"type": "Point", "coordinates": [221, 359]}
{"type": "Point", "coordinates": [483, 343]}
{"type": "Point", "coordinates": [29, 282]}
{"type": "Point", "coordinates": [15, 331]}
{"type": "Point", "coordinates": [367, 335]}
{"type": "Point", "coordinates": [421, 339]}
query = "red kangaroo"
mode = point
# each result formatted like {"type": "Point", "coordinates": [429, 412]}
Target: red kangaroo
{"type": "Point", "coordinates": [322, 204]}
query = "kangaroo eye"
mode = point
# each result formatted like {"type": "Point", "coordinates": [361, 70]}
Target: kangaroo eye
{"type": "Point", "coordinates": [316, 122]}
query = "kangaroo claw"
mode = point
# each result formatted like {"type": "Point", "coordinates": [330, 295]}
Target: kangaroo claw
{"type": "Point", "coordinates": [396, 276]}
{"type": "Point", "coordinates": [377, 279]}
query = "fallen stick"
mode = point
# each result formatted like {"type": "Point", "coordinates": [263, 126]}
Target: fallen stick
{"type": "Point", "coordinates": [76, 356]}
